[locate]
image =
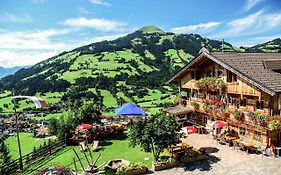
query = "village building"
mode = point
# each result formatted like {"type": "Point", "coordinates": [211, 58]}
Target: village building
{"type": "Point", "coordinates": [243, 89]}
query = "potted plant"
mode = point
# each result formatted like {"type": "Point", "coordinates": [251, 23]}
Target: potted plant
{"type": "Point", "coordinates": [195, 105]}
{"type": "Point", "coordinates": [210, 84]}
{"type": "Point", "coordinates": [132, 169]}
{"type": "Point", "coordinates": [262, 119]}
{"type": "Point", "coordinates": [193, 155]}
{"type": "Point", "coordinates": [274, 124]}
{"type": "Point", "coordinates": [165, 162]}
{"type": "Point", "coordinates": [238, 115]}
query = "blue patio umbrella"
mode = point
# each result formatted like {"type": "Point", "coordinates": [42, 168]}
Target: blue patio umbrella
{"type": "Point", "coordinates": [130, 109]}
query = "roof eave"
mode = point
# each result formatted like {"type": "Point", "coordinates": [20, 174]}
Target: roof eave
{"type": "Point", "coordinates": [251, 81]}
{"type": "Point", "coordinates": [186, 67]}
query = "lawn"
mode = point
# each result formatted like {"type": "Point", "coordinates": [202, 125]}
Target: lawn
{"type": "Point", "coordinates": [27, 143]}
{"type": "Point", "coordinates": [115, 147]}
{"type": "Point", "coordinates": [48, 116]}
{"type": "Point", "coordinates": [108, 99]}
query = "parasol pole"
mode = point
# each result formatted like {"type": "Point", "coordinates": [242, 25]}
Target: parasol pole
{"type": "Point", "coordinates": [17, 130]}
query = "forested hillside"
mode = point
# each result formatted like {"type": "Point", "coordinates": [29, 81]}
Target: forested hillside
{"type": "Point", "coordinates": [131, 68]}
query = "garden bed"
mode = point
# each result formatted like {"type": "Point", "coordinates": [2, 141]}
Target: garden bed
{"type": "Point", "coordinates": [186, 159]}
{"type": "Point", "coordinates": [134, 172]}
{"type": "Point", "coordinates": [163, 166]}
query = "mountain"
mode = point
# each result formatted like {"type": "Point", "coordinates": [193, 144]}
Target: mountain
{"type": "Point", "coordinates": [131, 68]}
{"type": "Point", "coordinates": [8, 71]}
{"type": "Point", "coordinates": [270, 46]}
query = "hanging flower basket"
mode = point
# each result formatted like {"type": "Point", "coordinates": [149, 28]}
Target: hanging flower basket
{"type": "Point", "coordinates": [211, 84]}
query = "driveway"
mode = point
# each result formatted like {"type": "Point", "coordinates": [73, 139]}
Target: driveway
{"type": "Point", "coordinates": [224, 160]}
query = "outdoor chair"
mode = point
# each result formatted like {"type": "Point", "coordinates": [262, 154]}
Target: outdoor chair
{"type": "Point", "coordinates": [222, 141]}
{"type": "Point", "coordinates": [95, 145]}
{"type": "Point", "coordinates": [241, 147]}
{"type": "Point", "coordinates": [82, 146]}
{"type": "Point", "coordinates": [235, 144]}
{"type": "Point", "coordinates": [262, 150]}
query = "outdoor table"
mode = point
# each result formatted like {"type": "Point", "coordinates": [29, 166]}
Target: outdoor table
{"type": "Point", "coordinates": [248, 146]}
{"type": "Point", "coordinates": [230, 139]}
{"type": "Point", "coordinates": [200, 129]}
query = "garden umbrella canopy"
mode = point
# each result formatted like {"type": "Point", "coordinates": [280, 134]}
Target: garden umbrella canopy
{"type": "Point", "coordinates": [83, 127]}
{"type": "Point", "coordinates": [189, 129]}
{"type": "Point", "coordinates": [219, 124]}
{"type": "Point", "coordinates": [130, 109]}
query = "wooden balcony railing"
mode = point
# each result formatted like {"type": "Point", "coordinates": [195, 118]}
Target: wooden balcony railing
{"type": "Point", "coordinates": [232, 107]}
{"type": "Point", "coordinates": [244, 89]}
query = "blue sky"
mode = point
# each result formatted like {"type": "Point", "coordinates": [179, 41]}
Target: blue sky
{"type": "Point", "coordinates": [34, 30]}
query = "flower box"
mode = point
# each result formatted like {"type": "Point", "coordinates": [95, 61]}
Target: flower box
{"type": "Point", "coordinates": [186, 159]}
{"type": "Point", "coordinates": [163, 166]}
{"type": "Point", "coordinates": [134, 172]}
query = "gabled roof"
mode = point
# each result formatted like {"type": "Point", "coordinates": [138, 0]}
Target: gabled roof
{"type": "Point", "coordinates": [255, 68]}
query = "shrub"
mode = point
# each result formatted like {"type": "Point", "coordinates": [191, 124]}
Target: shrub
{"type": "Point", "coordinates": [132, 166]}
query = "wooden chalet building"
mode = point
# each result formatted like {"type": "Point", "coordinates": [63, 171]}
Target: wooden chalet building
{"type": "Point", "coordinates": [243, 89]}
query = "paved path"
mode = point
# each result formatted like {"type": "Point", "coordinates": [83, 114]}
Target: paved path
{"type": "Point", "coordinates": [225, 160]}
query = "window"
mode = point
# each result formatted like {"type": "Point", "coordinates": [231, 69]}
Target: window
{"type": "Point", "coordinates": [231, 77]}
{"type": "Point", "coordinates": [192, 75]}
{"type": "Point", "coordinates": [257, 136]}
{"type": "Point", "coordinates": [260, 105]}
{"type": "Point", "coordinates": [242, 131]}
{"type": "Point", "coordinates": [209, 73]}
{"type": "Point", "coordinates": [243, 102]}
{"type": "Point", "coordinates": [220, 74]}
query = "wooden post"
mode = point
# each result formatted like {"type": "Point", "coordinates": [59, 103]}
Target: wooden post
{"type": "Point", "coordinates": [91, 156]}
{"type": "Point", "coordinates": [75, 166]}
{"type": "Point", "coordinates": [86, 158]}
{"type": "Point", "coordinates": [78, 159]}
{"type": "Point", "coordinates": [17, 130]}
{"type": "Point", "coordinates": [97, 159]}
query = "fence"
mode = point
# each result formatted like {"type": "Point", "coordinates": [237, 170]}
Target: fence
{"type": "Point", "coordinates": [36, 155]}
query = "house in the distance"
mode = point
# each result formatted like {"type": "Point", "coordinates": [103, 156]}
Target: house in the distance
{"type": "Point", "coordinates": [243, 89]}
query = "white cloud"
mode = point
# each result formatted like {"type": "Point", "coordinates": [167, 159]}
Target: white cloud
{"type": "Point", "coordinates": [12, 18]}
{"type": "Point", "coordinates": [100, 2]}
{"type": "Point", "coordinates": [250, 4]}
{"type": "Point", "coordinates": [12, 58]}
{"type": "Point", "coordinates": [106, 37]}
{"type": "Point", "coordinates": [199, 28]}
{"type": "Point", "coordinates": [38, 1]}
{"type": "Point", "coordinates": [83, 10]}
{"type": "Point", "coordinates": [253, 24]}
{"type": "Point", "coordinates": [96, 23]}
{"type": "Point", "coordinates": [28, 48]}
{"type": "Point", "coordinates": [31, 40]}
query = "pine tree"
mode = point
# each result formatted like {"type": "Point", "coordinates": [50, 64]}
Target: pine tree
{"type": "Point", "coordinates": [5, 160]}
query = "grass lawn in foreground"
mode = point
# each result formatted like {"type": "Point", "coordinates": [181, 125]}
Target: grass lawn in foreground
{"type": "Point", "coordinates": [115, 147]}
{"type": "Point", "coordinates": [27, 143]}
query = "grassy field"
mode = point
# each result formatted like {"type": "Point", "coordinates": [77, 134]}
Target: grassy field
{"type": "Point", "coordinates": [48, 116]}
{"type": "Point", "coordinates": [115, 147]}
{"type": "Point", "coordinates": [27, 143]}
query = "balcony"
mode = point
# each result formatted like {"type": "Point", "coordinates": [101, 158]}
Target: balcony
{"type": "Point", "coordinates": [241, 88]}
{"type": "Point", "coordinates": [201, 106]}
{"type": "Point", "coordinates": [191, 84]}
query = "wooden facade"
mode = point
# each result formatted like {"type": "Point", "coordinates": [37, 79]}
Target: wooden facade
{"type": "Point", "coordinates": [241, 93]}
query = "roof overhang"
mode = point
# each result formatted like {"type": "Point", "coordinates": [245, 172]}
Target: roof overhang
{"type": "Point", "coordinates": [226, 66]}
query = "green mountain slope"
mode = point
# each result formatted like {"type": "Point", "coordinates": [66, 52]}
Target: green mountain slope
{"type": "Point", "coordinates": [131, 68]}
{"type": "Point", "coordinates": [270, 46]}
